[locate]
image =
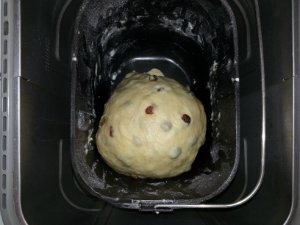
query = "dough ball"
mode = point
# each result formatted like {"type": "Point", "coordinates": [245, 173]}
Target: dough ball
{"type": "Point", "coordinates": [152, 127]}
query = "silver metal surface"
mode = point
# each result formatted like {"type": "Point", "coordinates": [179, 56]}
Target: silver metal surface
{"type": "Point", "coordinates": [12, 213]}
{"type": "Point", "coordinates": [294, 214]}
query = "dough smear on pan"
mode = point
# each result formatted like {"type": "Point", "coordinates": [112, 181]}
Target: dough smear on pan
{"type": "Point", "coordinates": [152, 127]}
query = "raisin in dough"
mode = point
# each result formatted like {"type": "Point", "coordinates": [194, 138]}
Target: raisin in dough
{"type": "Point", "coordinates": [152, 127]}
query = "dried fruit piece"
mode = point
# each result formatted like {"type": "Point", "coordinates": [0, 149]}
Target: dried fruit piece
{"type": "Point", "coordinates": [127, 103]}
{"type": "Point", "coordinates": [192, 141]}
{"type": "Point", "coordinates": [111, 131]}
{"type": "Point", "coordinates": [186, 118]}
{"type": "Point", "coordinates": [153, 78]}
{"type": "Point", "coordinates": [149, 109]}
{"type": "Point", "coordinates": [175, 153]}
{"type": "Point", "coordinates": [124, 161]}
{"type": "Point", "coordinates": [166, 126]}
{"type": "Point", "coordinates": [137, 141]}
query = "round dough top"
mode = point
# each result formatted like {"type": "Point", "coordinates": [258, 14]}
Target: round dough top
{"type": "Point", "coordinates": [152, 127]}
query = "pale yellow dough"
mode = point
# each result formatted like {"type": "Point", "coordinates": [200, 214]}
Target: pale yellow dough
{"type": "Point", "coordinates": [152, 127]}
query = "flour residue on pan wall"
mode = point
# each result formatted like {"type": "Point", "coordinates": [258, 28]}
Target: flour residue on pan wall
{"type": "Point", "coordinates": [192, 41]}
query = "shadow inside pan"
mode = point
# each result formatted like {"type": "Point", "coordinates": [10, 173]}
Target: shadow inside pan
{"type": "Point", "coordinates": [189, 41]}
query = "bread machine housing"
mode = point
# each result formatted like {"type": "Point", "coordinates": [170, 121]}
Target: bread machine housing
{"type": "Point", "coordinates": [61, 60]}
